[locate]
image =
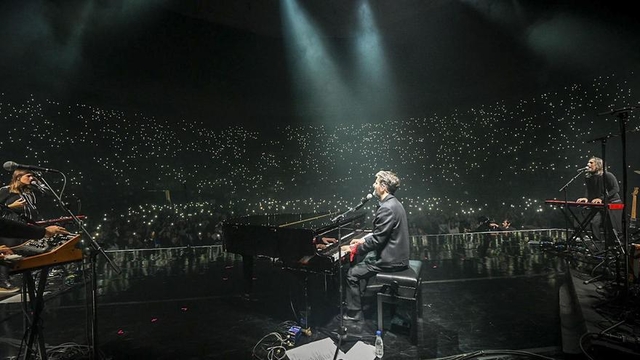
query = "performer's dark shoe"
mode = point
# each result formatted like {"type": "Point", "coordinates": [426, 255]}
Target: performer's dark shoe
{"type": "Point", "coordinates": [353, 316]}
{"type": "Point", "coordinates": [7, 287]}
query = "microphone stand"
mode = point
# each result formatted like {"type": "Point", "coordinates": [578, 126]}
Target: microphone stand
{"type": "Point", "coordinates": [342, 332]}
{"type": "Point", "coordinates": [353, 209]}
{"type": "Point", "coordinates": [94, 250]}
{"type": "Point", "coordinates": [566, 206]}
{"type": "Point", "coordinates": [605, 216]}
{"type": "Point", "coordinates": [623, 115]}
{"type": "Point", "coordinates": [622, 122]}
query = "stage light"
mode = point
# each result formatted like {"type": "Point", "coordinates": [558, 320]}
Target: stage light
{"type": "Point", "coordinates": [373, 84]}
{"type": "Point", "coordinates": [319, 89]}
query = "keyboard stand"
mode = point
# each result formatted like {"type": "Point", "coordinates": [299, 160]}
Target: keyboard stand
{"type": "Point", "coordinates": [33, 304]}
{"type": "Point", "coordinates": [580, 229]}
{"type": "Point", "coordinates": [67, 251]}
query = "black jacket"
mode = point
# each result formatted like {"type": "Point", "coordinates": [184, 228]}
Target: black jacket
{"type": "Point", "coordinates": [14, 229]}
{"type": "Point", "coordinates": [596, 190]}
{"type": "Point", "coordinates": [27, 214]}
{"type": "Point", "coordinates": [390, 235]}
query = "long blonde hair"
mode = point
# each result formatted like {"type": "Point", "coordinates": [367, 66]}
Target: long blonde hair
{"type": "Point", "coordinates": [16, 186]}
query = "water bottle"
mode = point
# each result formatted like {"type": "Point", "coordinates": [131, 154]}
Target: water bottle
{"type": "Point", "coordinates": [379, 345]}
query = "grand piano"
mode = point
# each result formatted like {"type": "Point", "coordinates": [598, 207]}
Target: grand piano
{"type": "Point", "coordinates": [290, 239]}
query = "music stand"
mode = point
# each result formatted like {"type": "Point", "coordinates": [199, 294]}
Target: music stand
{"type": "Point", "coordinates": [94, 250]}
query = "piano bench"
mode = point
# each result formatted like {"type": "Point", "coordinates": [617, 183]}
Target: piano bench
{"type": "Point", "coordinates": [401, 287]}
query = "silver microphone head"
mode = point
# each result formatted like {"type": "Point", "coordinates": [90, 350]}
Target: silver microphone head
{"type": "Point", "coordinates": [10, 166]}
{"type": "Point", "coordinates": [366, 198]}
{"type": "Point", "coordinates": [38, 185]}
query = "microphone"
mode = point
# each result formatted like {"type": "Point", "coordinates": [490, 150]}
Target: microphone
{"type": "Point", "coordinates": [583, 169]}
{"type": "Point", "coordinates": [363, 201]}
{"type": "Point", "coordinates": [366, 198]}
{"type": "Point", "coordinates": [11, 166]}
{"type": "Point", "coordinates": [39, 186]}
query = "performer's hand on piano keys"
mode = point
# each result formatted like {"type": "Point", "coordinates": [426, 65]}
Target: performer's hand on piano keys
{"type": "Point", "coordinates": [323, 242]}
{"type": "Point", "coordinates": [357, 241]}
{"type": "Point", "coordinates": [582, 200]}
{"type": "Point", "coordinates": [327, 241]}
{"type": "Point", "coordinates": [596, 201]}
{"type": "Point", "coordinates": [55, 230]}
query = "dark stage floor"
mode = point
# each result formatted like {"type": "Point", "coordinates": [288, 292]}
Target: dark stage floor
{"type": "Point", "coordinates": [188, 304]}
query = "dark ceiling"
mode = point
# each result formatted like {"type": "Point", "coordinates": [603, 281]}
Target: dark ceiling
{"type": "Point", "coordinates": [227, 60]}
{"type": "Point", "coordinates": [335, 17]}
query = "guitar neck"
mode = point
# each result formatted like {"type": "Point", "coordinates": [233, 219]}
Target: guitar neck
{"type": "Point", "coordinates": [632, 222]}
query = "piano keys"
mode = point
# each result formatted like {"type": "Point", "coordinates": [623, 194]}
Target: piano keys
{"type": "Point", "coordinates": [59, 221]}
{"type": "Point", "coordinates": [327, 257]}
{"type": "Point", "coordinates": [611, 206]}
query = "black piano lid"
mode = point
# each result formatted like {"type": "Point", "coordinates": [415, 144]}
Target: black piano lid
{"type": "Point", "coordinates": [312, 221]}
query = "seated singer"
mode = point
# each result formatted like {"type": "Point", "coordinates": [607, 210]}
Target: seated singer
{"type": "Point", "coordinates": [386, 247]}
{"type": "Point", "coordinates": [596, 192]}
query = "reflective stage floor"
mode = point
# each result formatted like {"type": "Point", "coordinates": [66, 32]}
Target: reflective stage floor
{"type": "Point", "coordinates": [188, 303]}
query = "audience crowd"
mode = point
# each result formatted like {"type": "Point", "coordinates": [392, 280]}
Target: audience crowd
{"type": "Point", "coordinates": [170, 182]}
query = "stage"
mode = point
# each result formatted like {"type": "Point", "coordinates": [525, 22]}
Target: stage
{"type": "Point", "coordinates": [520, 299]}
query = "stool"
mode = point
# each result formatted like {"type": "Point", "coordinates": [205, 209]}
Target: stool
{"type": "Point", "coordinates": [401, 287]}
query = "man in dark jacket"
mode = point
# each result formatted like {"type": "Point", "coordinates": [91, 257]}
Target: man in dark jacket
{"type": "Point", "coordinates": [386, 247]}
{"type": "Point", "coordinates": [598, 186]}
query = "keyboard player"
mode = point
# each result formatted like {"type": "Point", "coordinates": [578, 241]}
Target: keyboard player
{"type": "Point", "coordinates": [385, 249]}
{"type": "Point", "coordinates": [598, 185]}
{"type": "Point", "coordinates": [14, 229]}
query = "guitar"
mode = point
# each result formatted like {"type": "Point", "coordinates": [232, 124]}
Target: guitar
{"type": "Point", "coordinates": [632, 221]}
